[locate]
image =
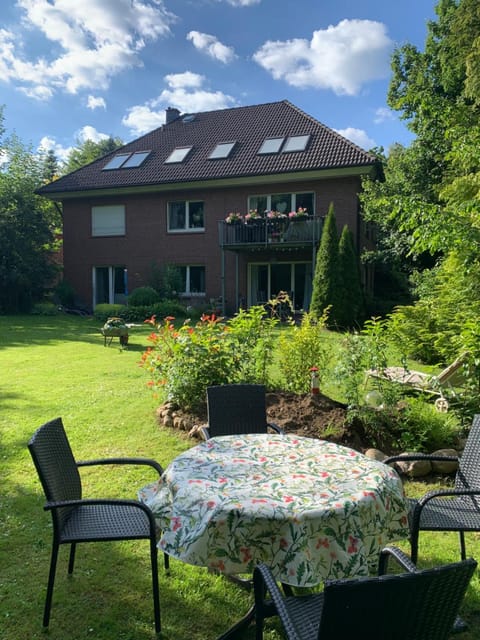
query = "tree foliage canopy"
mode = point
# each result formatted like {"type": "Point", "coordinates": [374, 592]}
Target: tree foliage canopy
{"type": "Point", "coordinates": [429, 203]}
{"type": "Point", "coordinates": [28, 225]}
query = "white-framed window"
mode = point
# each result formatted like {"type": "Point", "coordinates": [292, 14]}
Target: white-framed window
{"type": "Point", "coordinates": [193, 280]}
{"type": "Point", "coordinates": [185, 215]}
{"type": "Point", "coordinates": [283, 202]}
{"type": "Point", "coordinates": [108, 220]}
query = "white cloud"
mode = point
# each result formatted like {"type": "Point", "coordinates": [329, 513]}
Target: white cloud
{"type": "Point", "coordinates": [185, 92]}
{"type": "Point", "coordinates": [90, 133]}
{"type": "Point", "coordinates": [50, 144]}
{"type": "Point", "coordinates": [96, 103]}
{"type": "Point", "coordinates": [184, 80]}
{"type": "Point", "coordinates": [91, 41]}
{"type": "Point", "coordinates": [211, 46]}
{"type": "Point", "coordinates": [382, 114]}
{"type": "Point", "coordinates": [342, 58]}
{"type": "Point", "coordinates": [142, 118]}
{"type": "Point", "coordinates": [357, 136]}
{"type": "Point", "coordinates": [47, 143]}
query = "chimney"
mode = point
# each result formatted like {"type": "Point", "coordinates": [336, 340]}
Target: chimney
{"type": "Point", "coordinates": [171, 114]}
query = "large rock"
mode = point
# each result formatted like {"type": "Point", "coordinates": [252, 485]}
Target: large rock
{"type": "Point", "coordinates": [414, 468]}
{"type": "Point", "coordinates": [375, 454]}
{"type": "Point", "coordinates": [447, 466]}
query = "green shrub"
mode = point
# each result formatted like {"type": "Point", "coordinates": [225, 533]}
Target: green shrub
{"type": "Point", "coordinates": [411, 425]}
{"type": "Point", "coordinates": [143, 296]}
{"type": "Point", "coordinates": [184, 362]}
{"type": "Point", "coordinates": [301, 349]}
{"type": "Point", "coordinates": [44, 309]}
{"type": "Point", "coordinates": [104, 310]}
{"type": "Point", "coordinates": [65, 293]}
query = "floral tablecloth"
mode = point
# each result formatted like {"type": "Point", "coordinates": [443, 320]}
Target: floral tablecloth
{"type": "Point", "coordinates": [309, 509]}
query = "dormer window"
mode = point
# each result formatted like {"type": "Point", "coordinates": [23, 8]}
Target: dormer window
{"type": "Point", "coordinates": [295, 143]}
{"type": "Point", "coordinates": [222, 150]}
{"type": "Point", "coordinates": [178, 155]}
{"type": "Point", "coordinates": [271, 145]}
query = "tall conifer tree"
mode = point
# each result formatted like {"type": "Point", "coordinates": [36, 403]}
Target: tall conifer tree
{"type": "Point", "coordinates": [350, 309]}
{"type": "Point", "coordinates": [326, 278]}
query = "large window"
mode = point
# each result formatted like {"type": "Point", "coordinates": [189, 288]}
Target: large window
{"type": "Point", "coordinates": [266, 280]}
{"type": "Point", "coordinates": [109, 285]}
{"type": "Point", "coordinates": [186, 215]}
{"type": "Point", "coordinates": [108, 220]}
{"type": "Point", "coordinates": [282, 202]}
{"type": "Point", "coordinates": [193, 280]}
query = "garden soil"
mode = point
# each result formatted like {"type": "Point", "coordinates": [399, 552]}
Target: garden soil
{"type": "Point", "coordinates": [309, 415]}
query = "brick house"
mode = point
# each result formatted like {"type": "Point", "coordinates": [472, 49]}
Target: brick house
{"type": "Point", "coordinates": [163, 199]}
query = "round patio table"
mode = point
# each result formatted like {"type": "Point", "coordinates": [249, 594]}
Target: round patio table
{"type": "Point", "coordinates": [310, 509]}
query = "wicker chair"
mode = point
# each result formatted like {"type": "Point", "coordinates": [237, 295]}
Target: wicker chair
{"type": "Point", "coordinates": [418, 605]}
{"type": "Point", "coordinates": [456, 509]}
{"type": "Point", "coordinates": [81, 520]}
{"type": "Point", "coordinates": [236, 408]}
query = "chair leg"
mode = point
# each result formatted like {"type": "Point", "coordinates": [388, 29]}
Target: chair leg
{"type": "Point", "coordinates": [166, 563]}
{"type": "Point", "coordinates": [51, 582]}
{"type": "Point", "coordinates": [155, 590]}
{"type": "Point", "coordinates": [71, 559]}
{"type": "Point", "coordinates": [463, 551]}
{"type": "Point", "coordinates": [414, 545]}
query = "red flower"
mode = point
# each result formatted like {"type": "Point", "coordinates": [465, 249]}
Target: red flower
{"type": "Point", "coordinates": [353, 545]}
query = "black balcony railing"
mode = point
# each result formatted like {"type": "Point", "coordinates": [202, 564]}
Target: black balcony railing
{"type": "Point", "coordinates": [266, 232]}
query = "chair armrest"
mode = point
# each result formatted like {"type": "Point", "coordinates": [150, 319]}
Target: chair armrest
{"type": "Point", "coordinates": [439, 493]}
{"type": "Point", "coordinates": [101, 501]}
{"type": "Point", "coordinates": [401, 557]}
{"type": "Point", "coordinates": [420, 456]}
{"type": "Point", "coordinates": [264, 581]}
{"type": "Point", "coordinates": [275, 427]}
{"type": "Point", "coordinates": [134, 461]}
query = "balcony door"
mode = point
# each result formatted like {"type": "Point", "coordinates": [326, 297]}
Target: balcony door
{"type": "Point", "coordinates": [109, 285]}
{"type": "Point", "coordinates": [268, 279]}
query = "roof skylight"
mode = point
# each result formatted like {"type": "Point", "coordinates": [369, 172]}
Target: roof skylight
{"type": "Point", "coordinates": [271, 145]}
{"type": "Point", "coordinates": [126, 160]}
{"type": "Point", "coordinates": [222, 150]}
{"type": "Point", "coordinates": [136, 159]}
{"type": "Point", "coordinates": [296, 143]}
{"type": "Point", "coordinates": [178, 155]}
{"type": "Point", "coordinates": [117, 161]}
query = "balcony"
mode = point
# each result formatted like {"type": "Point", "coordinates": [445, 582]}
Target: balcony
{"type": "Point", "coordinates": [272, 234]}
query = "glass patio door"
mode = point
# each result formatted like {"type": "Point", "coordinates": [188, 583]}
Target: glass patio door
{"type": "Point", "coordinates": [109, 285]}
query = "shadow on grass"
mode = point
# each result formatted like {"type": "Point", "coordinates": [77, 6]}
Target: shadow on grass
{"type": "Point", "coordinates": [43, 330]}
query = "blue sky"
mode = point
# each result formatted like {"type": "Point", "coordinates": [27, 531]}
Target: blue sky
{"type": "Point", "coordinates": [77, 69]}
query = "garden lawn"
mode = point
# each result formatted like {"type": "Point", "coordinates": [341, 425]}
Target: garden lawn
{"type": "Point", "coordinates": [58, 366]}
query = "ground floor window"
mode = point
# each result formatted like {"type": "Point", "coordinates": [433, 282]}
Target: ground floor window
{"type": "Point", "coordinates": [110, 285]}
{"type": "Point", "coordinates": [193, 280]}
{"type": "Point", "coordinates": [267, 280]}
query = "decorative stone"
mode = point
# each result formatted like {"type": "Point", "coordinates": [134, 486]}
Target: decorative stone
{"type": "Point", "coordinates": [375, 454]}
{"type": "Point", "coordinates": [447, 466]}
{"type": "Point", "coordinates": [414, 468]}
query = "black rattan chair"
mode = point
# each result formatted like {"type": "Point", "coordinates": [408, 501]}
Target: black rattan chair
{"type": "Point", "coordinates": [418, 605]}
{"type": "Point", "coordinates": [236, 408]}
{"type": "Point", "coordinates": [80, 520]}
{"type": "Point", "coordinates": [456, 509]}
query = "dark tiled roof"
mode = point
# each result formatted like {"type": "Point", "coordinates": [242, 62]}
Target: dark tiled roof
{"type": "Point", "coordinates": [248, 126]}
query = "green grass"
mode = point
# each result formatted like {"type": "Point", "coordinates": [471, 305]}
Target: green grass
{"type": "Point", "coordinates": [58, 366]}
